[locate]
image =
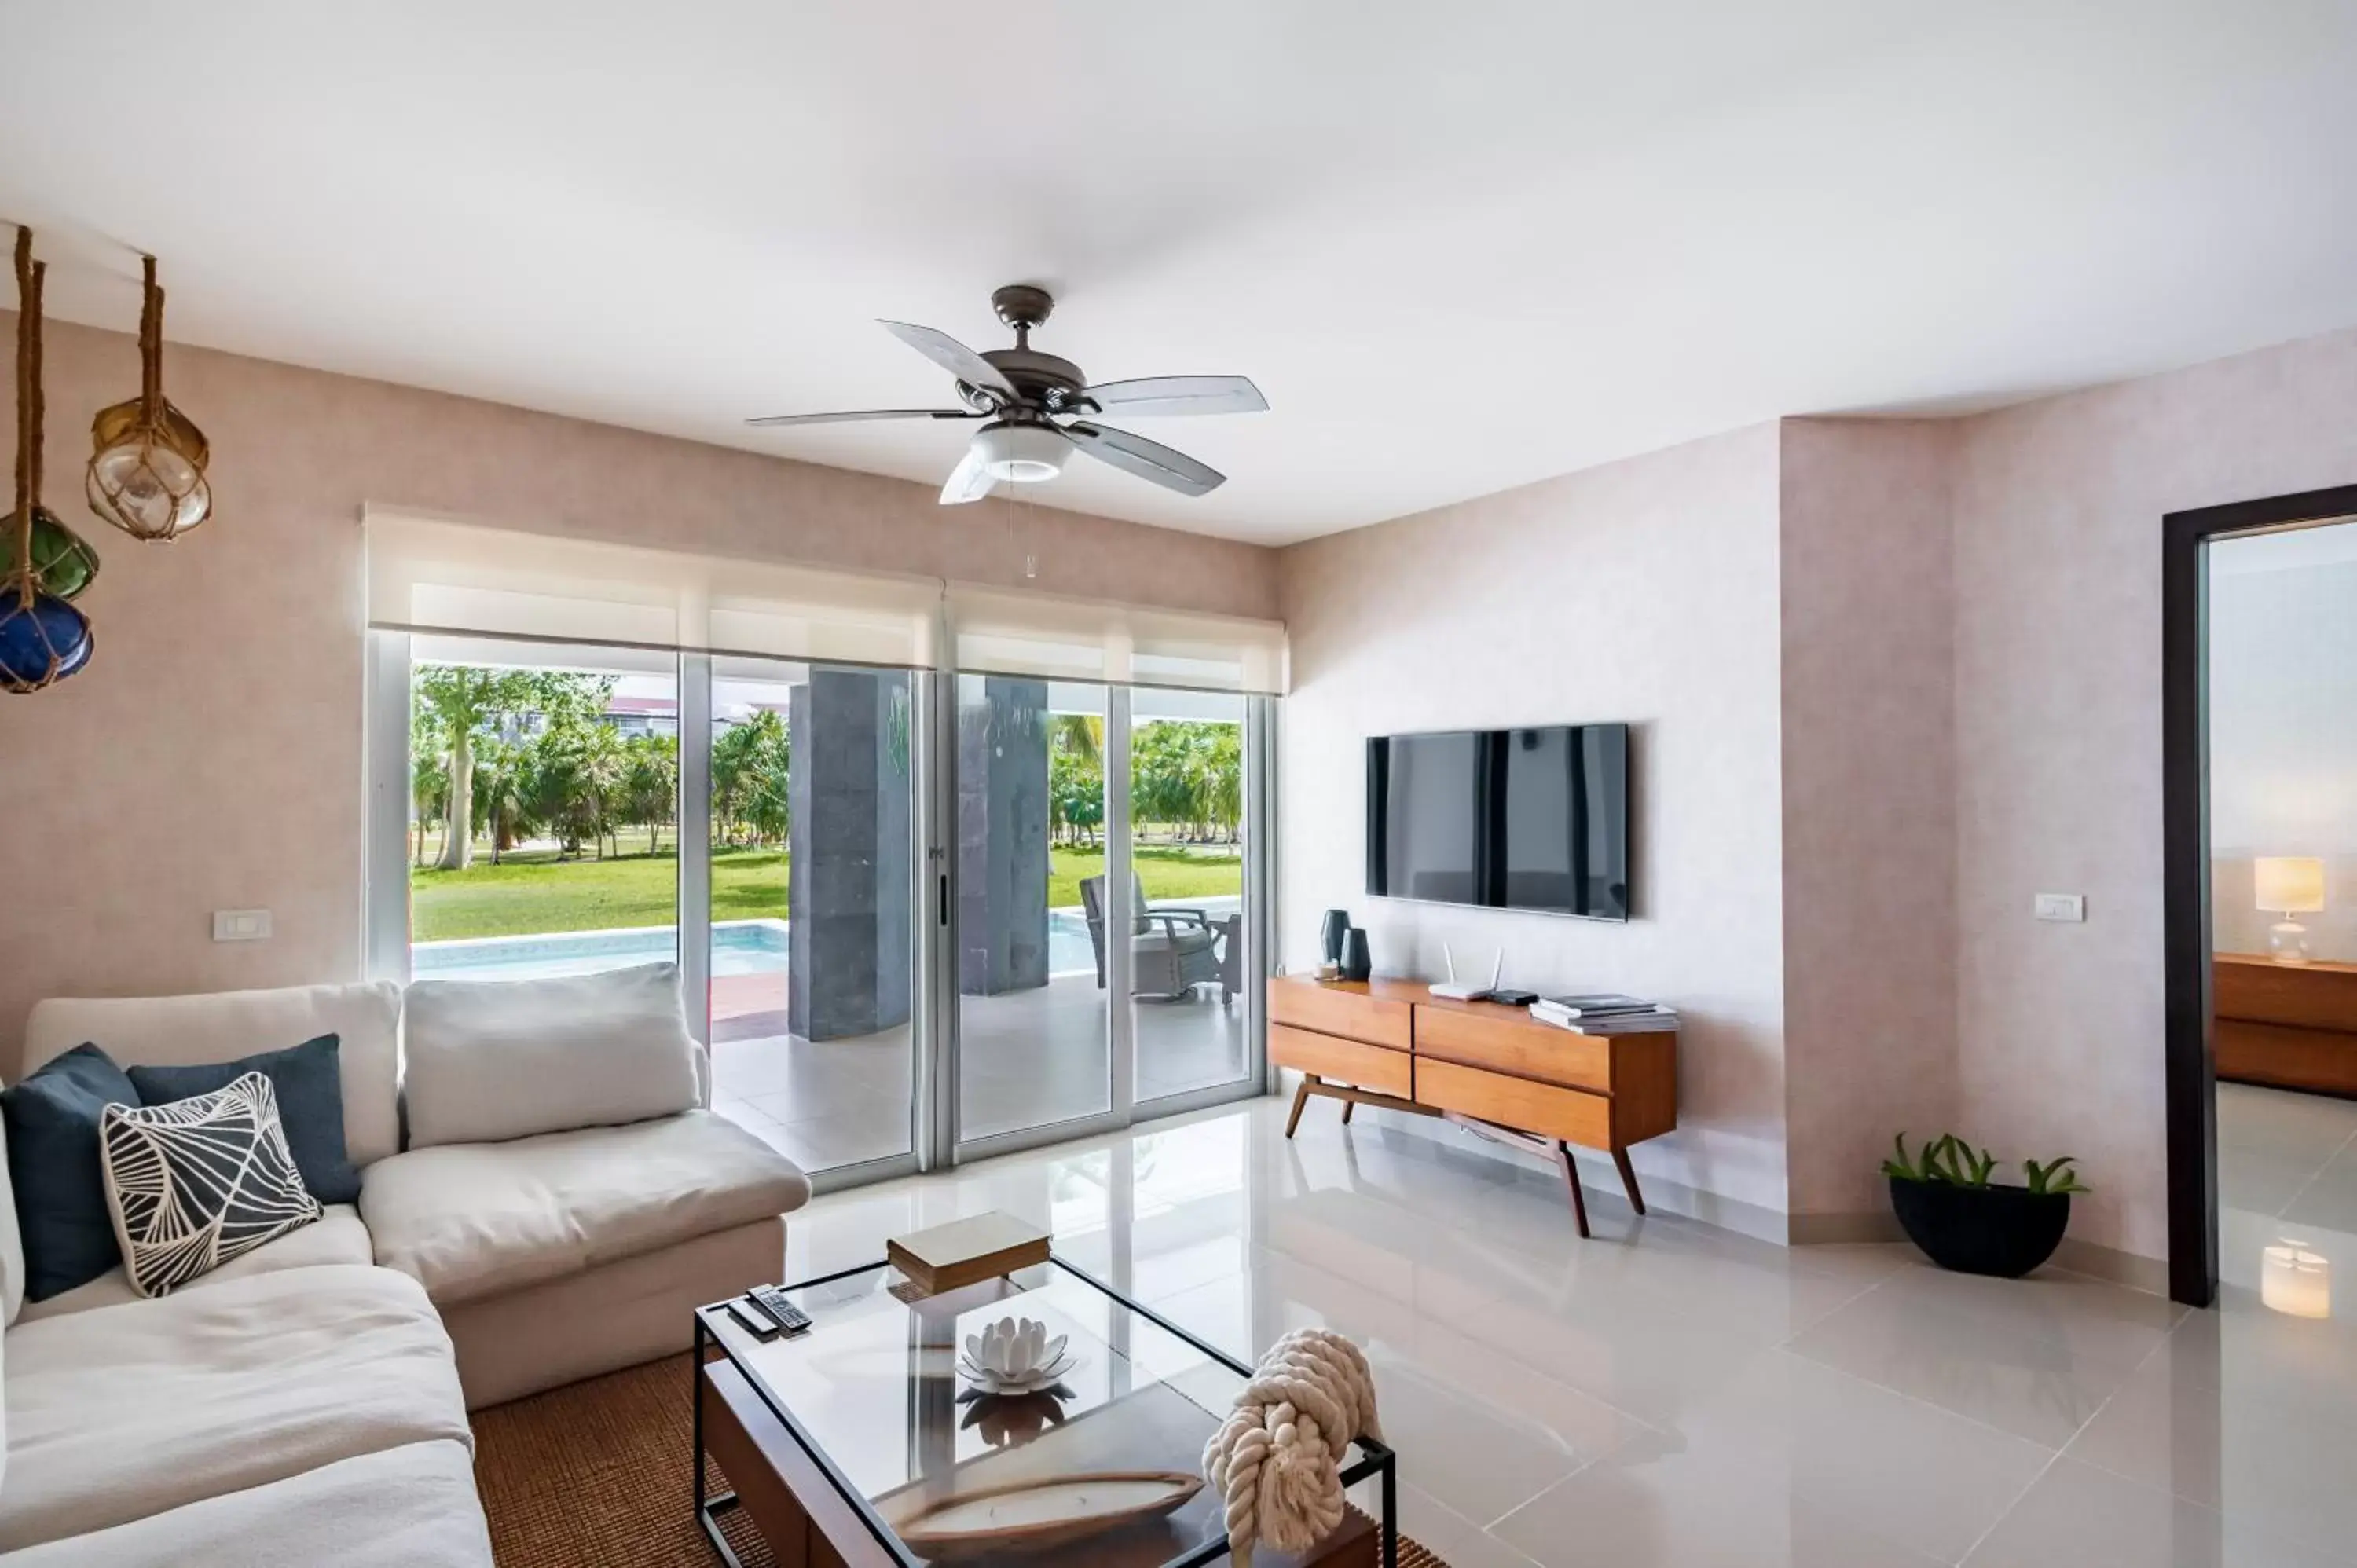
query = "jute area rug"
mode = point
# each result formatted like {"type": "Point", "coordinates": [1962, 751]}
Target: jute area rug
{"type": "Point", "coordinates": [596, 1475]}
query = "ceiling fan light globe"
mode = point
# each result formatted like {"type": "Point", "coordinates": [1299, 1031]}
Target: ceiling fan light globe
{"type": "Point", "coordinates": [1021, 454]}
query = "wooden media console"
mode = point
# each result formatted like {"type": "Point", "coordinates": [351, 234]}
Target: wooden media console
{"type": "Point", "coordinates": [1486, 1067]}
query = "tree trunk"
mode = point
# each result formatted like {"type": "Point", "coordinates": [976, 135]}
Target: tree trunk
{"type": "Point", "coordinates": [458, 843]}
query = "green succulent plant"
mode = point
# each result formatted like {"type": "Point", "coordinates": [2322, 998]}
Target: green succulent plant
{"type": "Point", "coordinates": [2055, 1176]}
{"type": "Point", "coordinates": [1950, 1160]}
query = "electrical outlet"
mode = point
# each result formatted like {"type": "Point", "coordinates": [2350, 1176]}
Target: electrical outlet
{"type": "Point", "coordinates": [241, 924]}
{"type": "Point", "coordinates": [2068, 907]}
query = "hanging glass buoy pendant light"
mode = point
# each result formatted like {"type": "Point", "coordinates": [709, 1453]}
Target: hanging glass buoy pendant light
{"type": "Point", "coordinates": [147, 471]}
{"type": "Point", "coordinates": [43, 638]}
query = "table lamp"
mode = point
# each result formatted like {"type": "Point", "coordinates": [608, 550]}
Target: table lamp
{"type": "Point", "coordinates": [2288, 885]}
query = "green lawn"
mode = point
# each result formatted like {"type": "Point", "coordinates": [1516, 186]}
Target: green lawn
{"type": "Point", "coordinates": [532, 892]}
{"type": "Point", "coordinates": [1168, 874]}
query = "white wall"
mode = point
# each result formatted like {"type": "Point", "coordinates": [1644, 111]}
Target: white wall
{"type": "Point", "coordinates": [2058, 530]}
{"type": "Point", "coordinates": [2283, 728]}
{"type": "Point", "coordinates": [1870, 809]}
{"type": "Point", "coordinates": [1644, 591]}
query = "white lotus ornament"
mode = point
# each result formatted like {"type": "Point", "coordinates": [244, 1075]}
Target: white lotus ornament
{"type": "Point", "coordinates": [1014, 1357]}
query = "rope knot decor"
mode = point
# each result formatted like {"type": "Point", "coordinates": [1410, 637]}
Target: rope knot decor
{"type": "Point", "coordinates": [1278, 1459]}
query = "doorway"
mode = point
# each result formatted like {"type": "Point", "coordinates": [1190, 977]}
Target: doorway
{"type": "Point", "coordinates": [2207, 878]}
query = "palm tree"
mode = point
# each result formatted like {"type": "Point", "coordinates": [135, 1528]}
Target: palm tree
{"type": "Point", "coordinates": [1078, 734]}
{"type": "Point", "coordinates": [462, 699]}
{"type": "Point", "coordinates": [498, 800]}
{"type": "Point", "coordinates": [752, 765]}
{"type": "Point", "coordinates": [650, 783]}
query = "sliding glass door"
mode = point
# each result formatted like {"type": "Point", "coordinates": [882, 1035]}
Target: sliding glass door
{"type": "Point", "coordinates": [919, 915]}
{"type": "Point", "coordinates": [1186, 918]}
{"type": "Point", "coordinates": [813, 838]}
{"type": "Point", "coordinates": [1034, 1024]}
{"type": "Point", "coordinates": [542, 828]}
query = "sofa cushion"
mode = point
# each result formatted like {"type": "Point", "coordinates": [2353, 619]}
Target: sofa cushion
{"type": "Point", "coordinates": [477, 1219]}
{"type": "Point", "coordinates": [124, 1412]}
{"type": "Point", "coordinates": [55, 1170]}
{"type": "Point", "coordinates": [509, 1059]}
{"type": "Point", "coordinates": [309, 1083]}
{"type": "Point", "coordinates": [338, 1238]}
{"type": "Point", "coordinates": [411, 1507]}
{"type": "Point", "coordinates": [187, 1031]}
{"type": "Point", "coordinates": [199, 1181]}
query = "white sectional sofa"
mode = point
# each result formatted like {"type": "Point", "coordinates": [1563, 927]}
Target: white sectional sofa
{"type": "Point", "coordinates": [306, 1403]}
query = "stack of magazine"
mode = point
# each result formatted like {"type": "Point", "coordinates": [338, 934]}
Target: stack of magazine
{"type": "Point", "coordinates": [1606, 1013]}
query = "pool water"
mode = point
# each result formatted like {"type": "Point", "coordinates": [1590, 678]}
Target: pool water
{"type": "Point", "coordinates": [738, 947]}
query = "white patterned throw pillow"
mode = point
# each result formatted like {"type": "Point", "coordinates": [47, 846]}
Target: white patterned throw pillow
{"type": "Point", "coordinates": [195, 1183]}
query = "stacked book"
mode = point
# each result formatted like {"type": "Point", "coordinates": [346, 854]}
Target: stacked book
{"type": "Point", "coordinates": [1607, 1013]}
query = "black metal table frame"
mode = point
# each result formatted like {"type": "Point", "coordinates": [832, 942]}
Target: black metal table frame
{"type": "Point", "coordinates": [1377, 1458]}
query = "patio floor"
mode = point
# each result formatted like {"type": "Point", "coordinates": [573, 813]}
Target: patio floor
{"type": "Point", "coordinates": [1030, 1058]}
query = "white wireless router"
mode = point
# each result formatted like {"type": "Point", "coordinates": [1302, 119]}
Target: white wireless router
{"type": "Point", "coordinates": [1457, 990]}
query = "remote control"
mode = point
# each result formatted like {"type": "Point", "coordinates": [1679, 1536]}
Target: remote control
{"type": "Point", "coordinates": [772, 1300]}
{"type": "Point", "coordinates": [753, 1319]}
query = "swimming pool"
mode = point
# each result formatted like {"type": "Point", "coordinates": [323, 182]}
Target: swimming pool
{"type": "Point", "coordinates": [738, 947]}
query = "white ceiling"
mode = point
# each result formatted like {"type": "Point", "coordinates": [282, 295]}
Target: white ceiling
{"type": "Point", "coordinates": [1460, 247]}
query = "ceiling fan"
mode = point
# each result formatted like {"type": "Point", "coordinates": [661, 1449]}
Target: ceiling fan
{"type": "Point", "coordinates": [1030, 403]}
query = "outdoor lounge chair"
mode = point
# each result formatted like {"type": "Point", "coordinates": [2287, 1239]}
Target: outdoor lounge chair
{"type": "Point", "coordinates": [1171, 950]}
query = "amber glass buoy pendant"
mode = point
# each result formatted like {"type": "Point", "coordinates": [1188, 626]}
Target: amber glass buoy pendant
{"type": "Point", "coordinates": [148, 470]}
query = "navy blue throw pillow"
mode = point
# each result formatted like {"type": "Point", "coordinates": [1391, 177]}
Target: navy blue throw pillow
{"type": "Point", "coordinates": [308, 1080]}
{"type": "Point", "coordinates": [53, 1163]}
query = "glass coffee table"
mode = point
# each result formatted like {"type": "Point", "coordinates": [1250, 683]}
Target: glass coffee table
{"type": "Point", "coordinates": [857, 1443]}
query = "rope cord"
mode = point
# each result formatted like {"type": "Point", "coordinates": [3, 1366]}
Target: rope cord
{"type": "Point", "coordinates": [1276, 1461]}
{"type": "Point", "coordinates": [28, 411]}
{"type": "Point", "coordinates": [151, 346]}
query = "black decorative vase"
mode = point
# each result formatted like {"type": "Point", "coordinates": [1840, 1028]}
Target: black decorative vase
{"type": "Point", "coordinates": [1357, 963]}
{"type": "Point", "coordinates": [1337, 926]}
{"type": "Point", "coordinates": [2001, 1231]}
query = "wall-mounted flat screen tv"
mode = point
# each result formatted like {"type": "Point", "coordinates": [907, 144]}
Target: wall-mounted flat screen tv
{"type": "Point", "coordinates": [1505, 819]}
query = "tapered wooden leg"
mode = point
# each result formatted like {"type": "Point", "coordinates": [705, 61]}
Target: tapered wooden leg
{"type": "Point", "coordinates": [1571, 1179]}
{"type": "Point", "coordinates": [1629, 1180]}
{"type": "Point", "coordinates": [1347, 1106]}
{"type": "Point", "coordinates": [1300, 1099]}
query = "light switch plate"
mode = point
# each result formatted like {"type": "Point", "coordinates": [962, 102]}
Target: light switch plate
{"type": "Point", "coordinates": [2070, 907]}
{"type": "Point", "coordinates": [241, 924]}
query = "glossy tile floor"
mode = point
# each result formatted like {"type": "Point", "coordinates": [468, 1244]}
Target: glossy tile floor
{"type": "Point", "coordinates": [1668, 1393]}
{"type": "Point", "coordinates": [1032, 1058]}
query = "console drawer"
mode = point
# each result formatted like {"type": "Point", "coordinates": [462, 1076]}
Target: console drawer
{"type": "Point", "coordinates": [1551, 1111]}
{"type": "Point", "coordinates": [1353, 1014]}
{"type": "Point", "coordinates": [1515, 1045]}
{"type": "Point", "coordinates": [1369, 1067]}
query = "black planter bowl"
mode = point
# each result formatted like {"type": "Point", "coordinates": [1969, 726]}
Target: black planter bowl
{"type": "Point", "coordinates": [2001, 1231]}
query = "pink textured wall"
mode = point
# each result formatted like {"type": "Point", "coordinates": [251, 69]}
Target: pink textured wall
{"type": "Point", "coordinates": [1644, 591]}
{"type": "Point", "coordinates": [209, 757]}
{"type": "Point", "coordinates": [1869, 801]}
{"type": "Point", "coordinates": [2058, 514]}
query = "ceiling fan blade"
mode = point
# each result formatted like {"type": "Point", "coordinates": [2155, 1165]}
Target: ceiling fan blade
{"type": "Point", "coordinates": [952, 355]}
{"type": "Point", "coordinates": [969, 482]}
{"type": "Point", "coordinates": [1178, 394]}
{"type": "Point", "coordinates": [774, 420]}
{"type": "Point", "coordinates": [1146, 459]}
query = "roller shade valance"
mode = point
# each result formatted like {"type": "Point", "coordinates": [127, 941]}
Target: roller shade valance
{"type": "Point", "coordinates": [433, 575]}
{"type": "Point", "coordinates": [1004, 631]}
{"type": "Point", "coordinates": [447, 578]}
